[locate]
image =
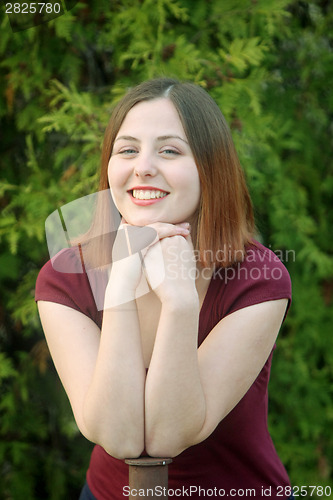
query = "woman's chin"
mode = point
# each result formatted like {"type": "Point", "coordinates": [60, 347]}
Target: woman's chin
{"type": "Point", "coordinates": [145, 221]}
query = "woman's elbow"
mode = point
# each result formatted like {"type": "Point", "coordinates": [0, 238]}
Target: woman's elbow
{"type": "Point", "coordinates": [167, 448]}
{"type": "Point", "coordinates": [123, 450]}
{"type": "Point", "coordinates": [116, 446]}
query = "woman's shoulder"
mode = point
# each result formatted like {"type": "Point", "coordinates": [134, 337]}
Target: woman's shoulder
{"type": "Point", "coordinates": [264, 263]}
{"type": "Point", "coordinates": [260, 277]}
{"type": "Point", "coordinates": [63, 280]}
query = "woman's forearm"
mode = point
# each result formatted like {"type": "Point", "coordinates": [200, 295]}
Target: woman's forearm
{"type": "Point", "coordinates": [174, 399]}
{"type": "Point", "coordinates": [114, 405]}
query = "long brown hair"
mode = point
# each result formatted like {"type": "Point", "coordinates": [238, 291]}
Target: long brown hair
{"type": "Point", "coordinates": [225, 222]}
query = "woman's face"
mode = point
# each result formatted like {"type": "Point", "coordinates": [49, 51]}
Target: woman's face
{"type": "Point", "coordinates": [152, 172]}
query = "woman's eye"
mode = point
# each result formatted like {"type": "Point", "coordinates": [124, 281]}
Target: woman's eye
{"type": "Point", "coordinates": [170, 151]}
{"type": "Point", "coordinates": [128, 151]}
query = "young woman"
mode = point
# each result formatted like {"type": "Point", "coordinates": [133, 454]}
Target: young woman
{"type": "Point", "coordinates": [181, 371]}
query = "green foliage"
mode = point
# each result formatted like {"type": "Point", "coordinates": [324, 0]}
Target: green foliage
{"type": "Point", "coordinates": [268, 64]}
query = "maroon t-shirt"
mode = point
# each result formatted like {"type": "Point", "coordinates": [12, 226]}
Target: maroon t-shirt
{"type": "Point", "coordinates": [239, 455]}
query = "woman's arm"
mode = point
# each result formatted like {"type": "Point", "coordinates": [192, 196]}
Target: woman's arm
{"type": "Point", "coordinates": [174, 399]}
{"type": "Point", "coordinates": [114, 404]}
{"type": "Point", "coordinates": [102, 372]}
{"type": "Point", "coordinates": [190, 390]}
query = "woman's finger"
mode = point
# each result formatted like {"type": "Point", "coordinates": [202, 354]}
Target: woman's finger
{"type": "Point", "coordinates": [165, 230]}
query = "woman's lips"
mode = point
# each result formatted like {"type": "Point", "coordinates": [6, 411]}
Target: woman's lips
{"type": "Point", "coordinates": [147, 195]}
{"type": "Point", "coordinates": [149, 200]}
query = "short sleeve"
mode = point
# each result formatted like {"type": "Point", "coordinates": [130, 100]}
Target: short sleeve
{"type": "Point", "coordinates": [260, 277]}
{"type": "Point", "coordinates": [69, 289]}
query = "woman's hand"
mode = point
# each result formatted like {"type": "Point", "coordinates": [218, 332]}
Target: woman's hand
{"type": "Point", "coordinates": [131, 246]}
{"type": "Point", "coordinates": [126, 270]}
{"type": "Point", "coordinates": [175, 247]}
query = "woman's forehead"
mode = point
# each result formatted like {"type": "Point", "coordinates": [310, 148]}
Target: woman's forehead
{"type": "Point", "coordinates": [158, 117]}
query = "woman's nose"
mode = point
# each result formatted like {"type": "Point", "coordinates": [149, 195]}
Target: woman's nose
{"type": "Point", "coordinates": [144, 165]}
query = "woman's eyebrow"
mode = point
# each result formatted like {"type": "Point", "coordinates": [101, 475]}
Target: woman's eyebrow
{"type": "Point", "coordinates": [166, 137]}
{"type": "Point", "coordinates": [159, 139]}
{"type": "Point", "coordinates": [127, 138]}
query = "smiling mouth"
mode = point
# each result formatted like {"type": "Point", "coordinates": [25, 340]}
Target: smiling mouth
{"type": "Point", "coordinates": [148, 194]}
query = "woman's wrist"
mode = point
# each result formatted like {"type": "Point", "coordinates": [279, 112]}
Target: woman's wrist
{"type": "Point", "coordinates": [188, 300]}
{"type": "Point", "coordinates": [118, 295]}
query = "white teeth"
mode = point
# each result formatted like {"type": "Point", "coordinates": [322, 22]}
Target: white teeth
{"type": "Point", "coordinates": [148, 194]}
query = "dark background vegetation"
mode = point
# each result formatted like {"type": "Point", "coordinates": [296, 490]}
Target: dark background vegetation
{"type": "Point", "coordinates": [269, 65]}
